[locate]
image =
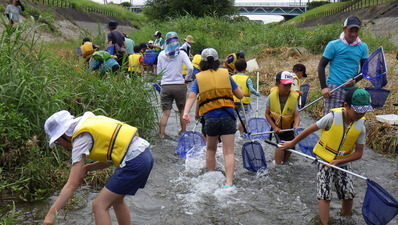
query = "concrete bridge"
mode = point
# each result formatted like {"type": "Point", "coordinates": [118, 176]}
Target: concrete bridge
{"type": "Point", "coordinates": [285, 9]}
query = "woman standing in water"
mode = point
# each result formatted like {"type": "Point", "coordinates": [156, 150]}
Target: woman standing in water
{"type": "Point", "coordinates": [216, 104]}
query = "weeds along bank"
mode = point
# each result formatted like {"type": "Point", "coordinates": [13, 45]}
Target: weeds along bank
{"type": "Point", "coordinates": [42, 79]}
{"type": "Point", "coordinates": [38, 81]}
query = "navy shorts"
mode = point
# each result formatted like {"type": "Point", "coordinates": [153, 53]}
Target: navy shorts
{"type": "Point", "coordinates": [134, 175]}
{"type": "Point", "coordinates": [286, 136]}
{"type": "Point", "coordinates": [216, 126]}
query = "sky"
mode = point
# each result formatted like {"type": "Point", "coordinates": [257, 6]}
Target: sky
{"type": "Point", "coordinates": [264, 18]}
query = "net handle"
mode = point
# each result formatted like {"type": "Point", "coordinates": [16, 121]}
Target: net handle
{"type": "Point", "coordinates": [335, 89]}
{"type": "Point", "coordinates": [270, 132]}
{"type": "Point", "coordinates": [317, 160]}
{"type": "Point", "coordinates": [258, 83]}
{"type": "Point", "coordinates": [196, 124]}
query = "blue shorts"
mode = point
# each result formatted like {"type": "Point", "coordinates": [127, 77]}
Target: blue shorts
{"type": "Point", "coordinates": [216, 126]}
{"type": "Point", "coordinates": [134, 175]}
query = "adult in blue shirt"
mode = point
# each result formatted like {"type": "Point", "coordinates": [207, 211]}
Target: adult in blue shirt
{"type": "Point", "coordinates": [345, 55]}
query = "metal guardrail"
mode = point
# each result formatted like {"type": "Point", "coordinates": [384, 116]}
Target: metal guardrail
{"type": "Point", "coordinates": [275, 4]}
{"type": "Point", "coordinates": [65, 4]}
{"type": "Point", "coordinates": [356, 4]}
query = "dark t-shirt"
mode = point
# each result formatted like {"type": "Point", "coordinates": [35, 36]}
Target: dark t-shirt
{"type": "Point", "coordinates": [116, 37]}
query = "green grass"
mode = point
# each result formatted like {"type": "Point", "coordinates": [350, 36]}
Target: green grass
{"type": "Point", "coordinates": [37, 82]}
{"type": "Point", "coordinates": [229, 35]}
{"type": "Point", "coordinates": [317, 10]}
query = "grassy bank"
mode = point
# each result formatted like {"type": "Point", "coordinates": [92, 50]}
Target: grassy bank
{"type": "Point", "coordinates": [230, 35]}
{"type": "Point", "coordinates": [37, 82]}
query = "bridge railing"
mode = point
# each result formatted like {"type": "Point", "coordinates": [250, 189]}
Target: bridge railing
{"type": "Point", "coordinates": [262, 4]}
{"type": "Point", "coordinates": [356, 4]}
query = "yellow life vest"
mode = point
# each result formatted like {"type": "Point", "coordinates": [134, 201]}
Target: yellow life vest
{"type": "Point", "coordinates": [337, 142]}
{"type": "Point", "coordinates": [196, 61]}
{"type": "Point", "coordinates": [230, 66]}
{"type": "Point", "coordinates": [283, 118]}
{"type": "Point", "coordinates": [215, 90]}
{"type": "Point", "coordinates": [184, 69]}
{"type": "Point", "coordinates": [241, 79]}
{"type": "Point", "coordinates": [111, 138]}
{"type": "Point", "coordinates": [134, 63]}
{"type": "Point", "coordinates": [87, 49]}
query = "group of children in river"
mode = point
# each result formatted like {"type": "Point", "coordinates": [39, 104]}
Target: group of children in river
{"type": "Point", "coordinates": [216, 93]}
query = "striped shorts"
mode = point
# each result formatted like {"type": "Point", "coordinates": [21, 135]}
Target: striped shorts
{"type": "Point", "coordinates": [336, 100]}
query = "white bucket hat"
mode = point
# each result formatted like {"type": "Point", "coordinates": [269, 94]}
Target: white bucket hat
{"type": "Point", "coordinates": [57, 124]}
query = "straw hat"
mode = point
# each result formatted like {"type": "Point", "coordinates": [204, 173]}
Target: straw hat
{"type": "Point", "coordinates": [189, 39]}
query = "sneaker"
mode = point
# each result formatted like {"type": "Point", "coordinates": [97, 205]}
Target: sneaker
{"type": "Point", "coordinates": [228, 186]}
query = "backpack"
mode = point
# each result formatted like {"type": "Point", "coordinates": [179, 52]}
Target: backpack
{"type": "Point", "coordinates": [101, 55]}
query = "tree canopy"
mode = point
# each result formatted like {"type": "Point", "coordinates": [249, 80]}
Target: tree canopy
{"type": "Point", "coordinates": [166, 9]}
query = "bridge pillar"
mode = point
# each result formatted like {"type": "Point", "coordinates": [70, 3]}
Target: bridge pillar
{"type": "Point", "coordinates": [288, 17]}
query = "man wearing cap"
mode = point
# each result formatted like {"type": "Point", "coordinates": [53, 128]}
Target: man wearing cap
{"type": "Point", "coordinates": [342, 141]}
{"type": "Point", "coordinates": [281, 112]}
{"type": "Point", "coordinates": [346, 55]}
{"type": "Point", "coordinates": [116, 39]}
{"type": "Point", "coordinates": [108, 142]}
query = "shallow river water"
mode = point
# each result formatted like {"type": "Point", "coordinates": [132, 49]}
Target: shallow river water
{"type": "Point", "coordinates": [182, 192]}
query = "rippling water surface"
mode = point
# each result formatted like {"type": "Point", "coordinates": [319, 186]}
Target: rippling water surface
{"type": "Point", "coordinates": [182, 192]}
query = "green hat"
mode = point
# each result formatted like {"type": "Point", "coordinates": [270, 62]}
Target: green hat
{"type": "Point", "coordinates": [359, 99]}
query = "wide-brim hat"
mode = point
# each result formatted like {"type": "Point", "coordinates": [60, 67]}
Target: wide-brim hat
{"type": "Point", "coordinates": [189, 39]}
{"type": "Point", "coordinates": [57, 124]}
{"type": "Point", "coordinates": [112, 24]}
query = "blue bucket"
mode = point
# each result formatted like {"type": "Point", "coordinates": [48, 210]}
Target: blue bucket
{"type": "Point", "coordinates": [150, 57]}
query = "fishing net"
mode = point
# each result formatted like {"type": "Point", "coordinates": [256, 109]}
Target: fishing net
{"type": "Point", "coordinates": [379, 207]}
{"type": "Point", "coordinates": [374, 69]}
{"type": "Point", "coordinates": [253, 157]}
{"type": "Point", "coordinates": [187, 141]}
{"type": "Point", "coordinates": [307, 144]}
{"type": "Point", "coordinates": [303, 98]}
{"type": "Point", "coordinates": [258, 125]}
{"type": "Point", "coordinates": [378, 96]}
{"type": "Point", "coordinates": [149, 57]}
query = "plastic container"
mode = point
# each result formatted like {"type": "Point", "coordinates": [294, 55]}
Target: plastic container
{"type": "Point", "coordinates": [252, 65]}
{"type": "Point", "coordinates": [391, 119]}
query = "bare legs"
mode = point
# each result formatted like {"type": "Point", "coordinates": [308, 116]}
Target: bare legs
{"type": "Point", "coordinates": [163, 122]}
{"type": "Point", "coordinates": [229, 155]}
{"type": "Point", "coordinates": [165, 118]}
{"type": "Point", "coordinates": [104, 201]}
{"type": "Point", "coordinates": [324, 207]}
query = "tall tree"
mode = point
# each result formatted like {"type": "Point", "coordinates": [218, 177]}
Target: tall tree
{"type": "Point", "coordinates": [164, 9]}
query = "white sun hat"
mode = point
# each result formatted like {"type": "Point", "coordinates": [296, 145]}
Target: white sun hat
{"type": "Point", "coordinates": [57, 124]}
